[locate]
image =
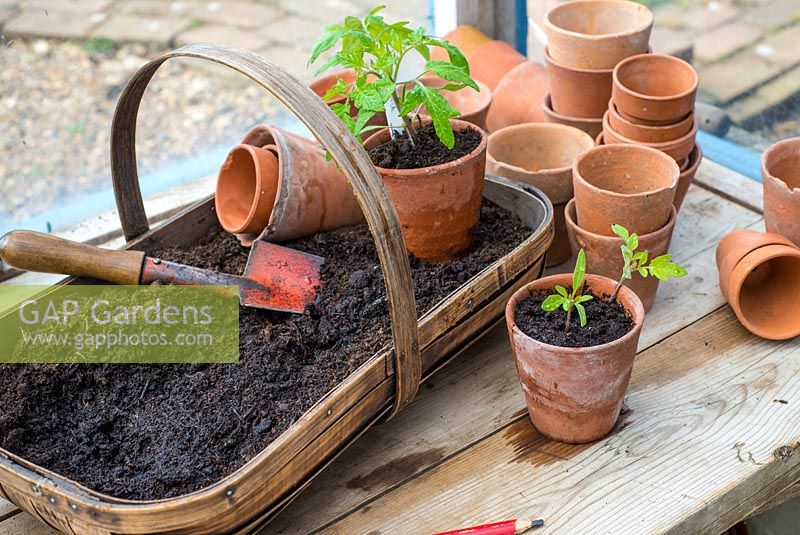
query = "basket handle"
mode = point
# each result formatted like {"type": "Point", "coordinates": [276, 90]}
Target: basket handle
{"type": "Point", "coordinates": [346, 151]}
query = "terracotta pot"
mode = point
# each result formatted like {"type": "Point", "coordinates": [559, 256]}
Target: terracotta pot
{"type": "Point", "coordinates": [780, 172]}
{"type": "Point", "coordinates": [597, 34]}
{"type": "Point", "coordinates": [578, 92]}
{"type": "Point", "coordinates": [574, 395]}
{"type": "Point", "coordinates": [648, 134]}
{"type": "Point", "coordinates": [438, 206]}
{"type": "Point", "coordinates": [759, 275]}
{"type": "Point", "coordinates": [630, 185]}
{"type": "Point", "coordinates": [246, 187]}
{"type": "Point", "coordinates": [541, 155]}
{"type": "Point", "coordinates": [654, 87]}
{"type": "Point", "coordinates": [491, 61]}
{"type": "Point", "coordinates": [593, 127]}
{"type": "Point", "coordinates": [604, 257]}
{"type": "Point", "coordinates": [517, 98]}
{"type": "Point", "coordinates": [687, 176]}
{"type": "Point", "coordinates": [678, 148]}
{"type": "Point", "coordinates": [312, 194]}
{"type": "Point", "coordinates": [322, 85]}
{"type": "Point", "coordinates": [466, 38]}
{"type": "Point", "coordinates": [473, 105]}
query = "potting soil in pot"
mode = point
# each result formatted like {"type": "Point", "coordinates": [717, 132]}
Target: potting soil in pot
{"type": "Point", "coordinates": [427, 150]}
{"type": "Point", "coordinates": [605, 322]}
{"type": "Point", "coordinates": [150, 432]}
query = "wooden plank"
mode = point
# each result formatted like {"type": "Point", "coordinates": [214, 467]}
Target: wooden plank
{"type": "Point", "coordinates": [730, 185]}
{"type": "Point", "coordinates": [439, 423]}
{"type": "Point", "coordinates": [25, 524]}
{"type": "Point", "coordinates": [789, 493]}
{"type": "Point", "coordinates": [704, 435]}
{"type": "Point", "coordinates": [7, 509]}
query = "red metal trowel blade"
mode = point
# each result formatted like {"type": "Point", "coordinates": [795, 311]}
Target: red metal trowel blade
{"type": "Point", "coordinates": [291, 277]}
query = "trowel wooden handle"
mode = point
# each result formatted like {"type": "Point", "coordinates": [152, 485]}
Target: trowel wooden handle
{"type": "Point", "coordinates": [34, 251]}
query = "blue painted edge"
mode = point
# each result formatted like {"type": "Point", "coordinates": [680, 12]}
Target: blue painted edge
{"type": "Point", "coordinates": [730, 155]}
{"type": "Point", "coordinates": [521, 20]}
{"type": "Point", "coordinates": [90, 204]}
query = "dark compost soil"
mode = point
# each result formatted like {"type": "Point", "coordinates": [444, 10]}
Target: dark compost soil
{"type": "Point", "coordinates": [605, 322]}
{"type": "Point", "coordinates": [149, 432]}
{"type": "Point", "coordinates": [428, 151]}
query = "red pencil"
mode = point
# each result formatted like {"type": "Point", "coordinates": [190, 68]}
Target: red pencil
{"type": "Point", "coordinates": [509, 527]}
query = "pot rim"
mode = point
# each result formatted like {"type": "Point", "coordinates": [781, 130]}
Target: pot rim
{"type": "Point", "coordinates": [533, 127]}
{"type": "Point", "coordinates": [742, 270]}
{"type": "Point", "coordinates": [570, 213]}
{"type": "Point", "coordinates": [792, 141]}
{"type": "Point", "coordinates": [613, 111]}
{"type": "Point", "coordinates": [550, 61]}
{"type": "Point", "coordinates": [410, 173]}
{"type": "Point", "coordinates": [617, 147]}
{"type": "Point", "coordinates": [651, 58]}
{"type": "Point", "coordinates": [547, 108]}
{"type": "Point", "coordinates": [627, 298]}
{"type": "Point", "coordinates": [252, 152]}
{"type": "Point", "coordinates": [596, 37]}
{"type": "Point", "coordinates": [662, 146]}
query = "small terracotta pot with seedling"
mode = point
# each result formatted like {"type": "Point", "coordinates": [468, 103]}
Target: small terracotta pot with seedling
{"type": "Point", "coordinates": [574, 347]}
{"type": "Point", "coordinates": [432, 168]}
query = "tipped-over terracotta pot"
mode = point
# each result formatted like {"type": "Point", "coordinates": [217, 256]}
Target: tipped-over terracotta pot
{"type": "Point", "coordinates": [473, 105]}
{"type": "Point", "coordinates": [780, 173]}
{"type": "Point", "coordinates": [629, 185]}
{"type": "Point", "coordinates": [604, 256]}
{"type": "Point", "coordinates": [641, 133]}
{"type": "Point", "coordinates": [466, 38]}
{"type": "Point", "coordinates": [298, 195]}
{"type": "Point", "coordinates": [678, 148]}
{"type": "Point", "coordinates": [517, 98]}
{"type": "Point", "coordinates": [593, 127]}
{"type": "Point", "coordinates": [597, 34]}
{"type": "Point", "coordinates": [541, 155]}
{"type": "Point", "coordinates": [759, 275]}
{"type": "Point", "coordinates": [687, 176]}
{"type": "Point", "coordinates": [574, 395]}
{"type": "Point", "coordinates": [491, 61]}
{"type": "Point", "coordinates": [438, 206]}
{"type": "Point", "coordinates": [578, 92]}
{"type": "Point", "coordinates": [654, 87]}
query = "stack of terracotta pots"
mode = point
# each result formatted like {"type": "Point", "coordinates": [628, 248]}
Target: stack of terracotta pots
{"type": "Point", "coordinates": [629, 185]}
{"type": "Point", "coordinates": [585, 41]}
{"type": "Point", "coordinates": [652, 104]}
{"type": "Point", "coordinates": [541, 155]}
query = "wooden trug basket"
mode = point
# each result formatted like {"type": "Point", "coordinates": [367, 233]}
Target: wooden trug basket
{"type": "Point", "coordinates": [254, 493]}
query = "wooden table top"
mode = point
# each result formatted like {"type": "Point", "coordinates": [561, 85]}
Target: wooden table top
{"type": "Point", "coordinates": [708, 439]}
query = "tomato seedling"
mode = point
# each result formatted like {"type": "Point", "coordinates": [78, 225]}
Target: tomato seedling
{"type": "Point", "coordinates": [570, 300]}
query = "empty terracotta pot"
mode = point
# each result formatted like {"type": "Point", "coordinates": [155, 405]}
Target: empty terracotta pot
{"type": "Point", "coordinates": [648, 134]}
{"type": "Point", "coordinates": [654, 87]}
{"type": "Point", "coordinates": [759, 275]}
{"type": "Point", "coordinates": [438, 206]}
{"type": "Point", "coordinates": [491, 61]}
{"type": "Point", "coordinates": [578, 92]}
{"type": "Point", "coordinates": [604, 257]}
{"type": "Point", "coordinates": [678, 148]}
{"type": "Point", "coordinates": [593, 127]}
{"type": "Point", "coordinates": [687, 176]}
{"type": "Point", "coordinates": [308, 193]}
{"type": "Point", "coordinates": [518, 97]}
{"type": "Point", "coordinates": [780, 172]}
{"type": "Point", "coordinates": [473, 105]}
{"type": "Point", "coordinates": [629, 185]}
{"type": "Point", "coordinates": [597, 34]}
{"type": "Point", "coordinates": [246, 189]}
{"type": "Point", "coordinates": [541, 155]}
{"type": "Point", "coordinates": [466, 38]}
{"type": "Point", "coordinates": [574, 395]}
